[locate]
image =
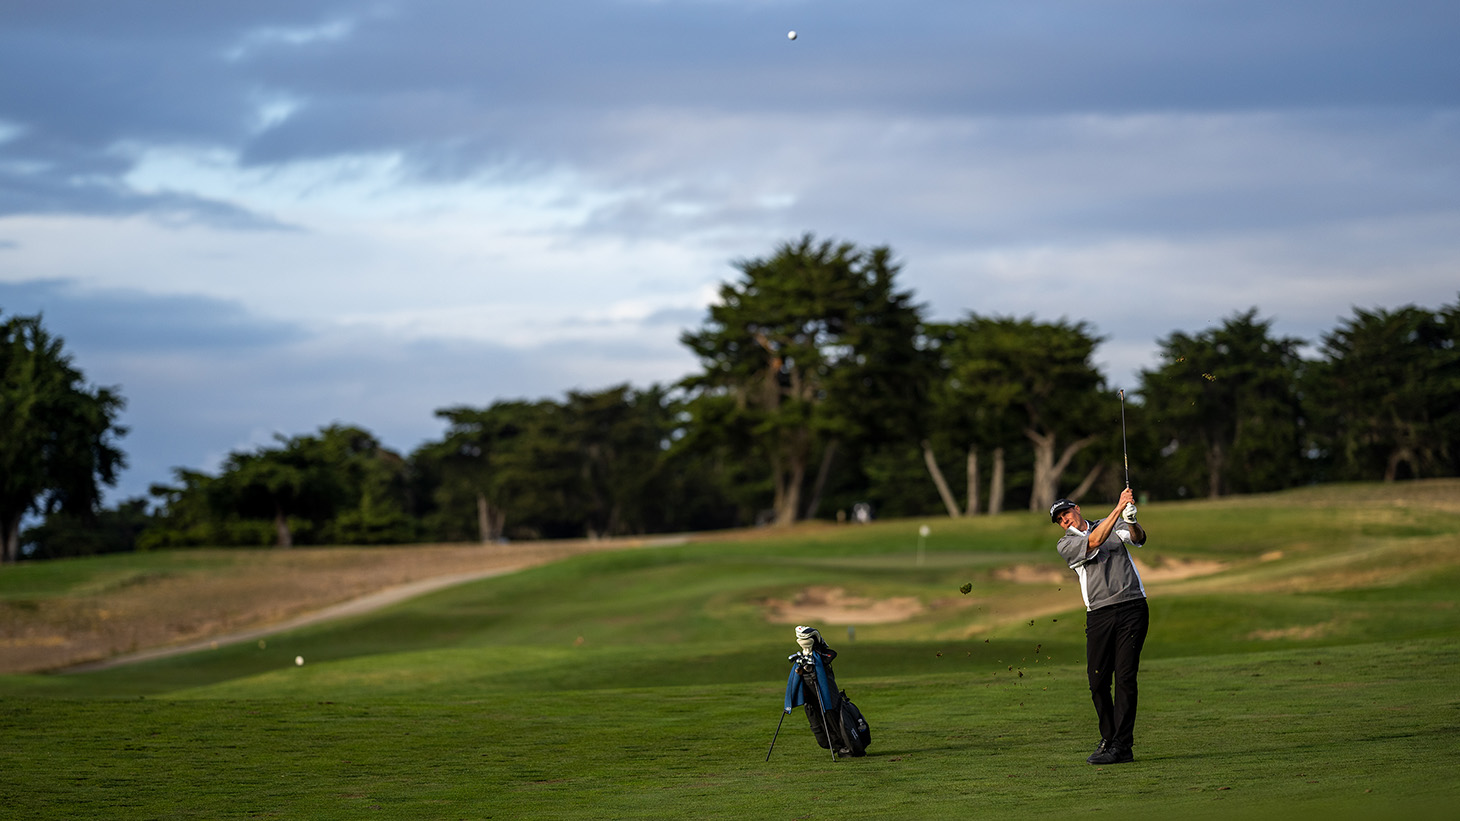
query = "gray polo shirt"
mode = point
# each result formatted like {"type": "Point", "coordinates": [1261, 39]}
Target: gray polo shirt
{"type": "Point", "coordinates": [1108, 577]}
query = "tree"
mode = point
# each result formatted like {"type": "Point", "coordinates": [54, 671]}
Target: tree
{"type": "Point", "coordinates": [976, 406]}
{"type": "Point", "coordinates": [1448, 423]}
{"type": "Point", "coordinates": [1225, 402]}
{"type": "Point", "coordinates": [108, 530]}
{"type": "Point", "coordinates": [274, 483]}
{"type": "Point", "coordinates": [188, 515]}
{"type": "Point", "coordinates": [1016, 377]}
{"type": "Point", "coordinates": [1385, 395]}
{"type": "Point", "coordinates": [338, 486]}
{"type": "Point", "coordinates": [812, 347]}
{"type": "Point", "coordinates": [57, 435]}
{"type": "Point", "coordinates": [591, 465]}
{"type": "Point", "coordinates": [373, 502]}
{"type": "Point", "coordinates": [717, 475]}
{"type": "Point", "coordinates": [506, 468]}
{"type": "Point", "coordinates": [458, 471]}
{"type": "Point", "coordinates": [620, 435]}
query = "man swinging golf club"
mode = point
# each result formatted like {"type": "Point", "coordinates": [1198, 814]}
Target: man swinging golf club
{"type": "Point", "coordinates": [1116, 617]}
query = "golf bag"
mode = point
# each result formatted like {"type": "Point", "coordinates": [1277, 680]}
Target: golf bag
{"type": "Point", "coordinates": [835, 721]}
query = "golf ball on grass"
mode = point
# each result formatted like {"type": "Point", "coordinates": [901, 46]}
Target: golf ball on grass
{"type": "Point", "coordinates": [299, 661]}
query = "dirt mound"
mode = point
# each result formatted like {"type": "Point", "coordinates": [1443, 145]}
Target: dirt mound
{"type": "Point", "coordinates": [833, 605]}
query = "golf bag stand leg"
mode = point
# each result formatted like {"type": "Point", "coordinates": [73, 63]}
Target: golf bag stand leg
{"type": "Point", "coordinates": [773, 738]}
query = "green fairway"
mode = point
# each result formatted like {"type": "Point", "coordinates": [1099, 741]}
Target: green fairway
{"type": "Point", "coordinates": [1303, 660]}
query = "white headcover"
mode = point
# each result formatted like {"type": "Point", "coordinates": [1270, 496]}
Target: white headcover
{"type": "Point", "coordinates": [807, 638]}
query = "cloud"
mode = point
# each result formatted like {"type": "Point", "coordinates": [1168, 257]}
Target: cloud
{"type": "Point", "coordinates": [204, 376]}
{"type": "Point", "coordinates": [460, 88]}
{"type": "Point", "coordinates": [134, 322]}
{"type": "Point", "coordinates": [33, 193]}
{"type": "Point", "coordinates": [269, 216]}
{"type": "Point", "coordinates": [264, 38]}
{"type": "Point", "coordinates": [1136, 292]}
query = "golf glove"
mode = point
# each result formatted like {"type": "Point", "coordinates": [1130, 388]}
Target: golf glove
{"type": "Point", "coordinates": [1129, 514]}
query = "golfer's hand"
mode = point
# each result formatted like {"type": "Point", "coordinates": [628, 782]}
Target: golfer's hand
{"type": "Point", "coordinates": [1127, 497]}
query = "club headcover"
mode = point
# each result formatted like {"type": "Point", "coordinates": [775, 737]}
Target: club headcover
{"type": "Point", "coordinates": [807, 637]}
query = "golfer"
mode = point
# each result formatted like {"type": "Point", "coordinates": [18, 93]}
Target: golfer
{"type": "Point", "coordinates": [1116, 617]}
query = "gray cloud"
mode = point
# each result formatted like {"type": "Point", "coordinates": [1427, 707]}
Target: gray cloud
{"type": "Point", "coordinates": [1145, 165]}
{"type": "Point", "coordinates": [204, 376]}
{"type": "Point", "coordinates": [37, 194]}
{"type": "Point", "coordinates": [134, 322]}
{"type": "Point", "coordinates": [999, 181]}
{"type": "Point", "coordinates": [457, 87]}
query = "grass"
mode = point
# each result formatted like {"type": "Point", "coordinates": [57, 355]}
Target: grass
{"type": "Point", "coordinates": [60, 613]}
{"type": "Point", "coordinates": [647, 684]}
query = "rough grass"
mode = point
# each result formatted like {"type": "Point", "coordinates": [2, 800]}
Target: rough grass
{"type": "Point", "coordinates": [1312, 676]}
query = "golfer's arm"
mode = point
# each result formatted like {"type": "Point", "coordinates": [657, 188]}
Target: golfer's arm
{"type": "Point", "coordinates": [1102, 530]}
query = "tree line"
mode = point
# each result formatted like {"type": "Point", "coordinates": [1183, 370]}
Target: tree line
{"type": "Point", "coordinates": [821, 385]}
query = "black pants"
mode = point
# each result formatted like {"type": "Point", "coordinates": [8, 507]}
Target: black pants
{"type": "Point", "coordinates": [1114, 636]}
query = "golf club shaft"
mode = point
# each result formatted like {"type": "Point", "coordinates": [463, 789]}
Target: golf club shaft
{"type": "Point", "coordinates": [821, 705]}
{"type": "Point", "coordinates": [1124, 454]}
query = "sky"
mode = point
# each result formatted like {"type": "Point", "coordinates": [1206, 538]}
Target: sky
{"type": "Point", "coordinates": [264, 217]}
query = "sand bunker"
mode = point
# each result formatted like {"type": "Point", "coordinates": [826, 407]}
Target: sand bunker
{"type": "Point", "coordinates": [1164, 570]}
{"type": "Point", "coordinates": [1034, 574]}
{"type": "Point", "coordinates": [1170, 570]}
{"type": "Point", "coordinates": [833, 605]}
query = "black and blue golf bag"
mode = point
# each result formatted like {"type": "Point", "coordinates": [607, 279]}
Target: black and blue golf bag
{"type": "Point", "coordinates": [835, 721]}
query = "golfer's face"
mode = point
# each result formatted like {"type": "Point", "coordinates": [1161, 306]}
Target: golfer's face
{"type": "Point", "coordinates": [1070, 517]}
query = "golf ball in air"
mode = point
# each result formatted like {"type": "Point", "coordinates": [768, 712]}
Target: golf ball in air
{"type": "Point", "coordinates": [790, 35]}
{"type": "Point", "coordinates": [299, 661]}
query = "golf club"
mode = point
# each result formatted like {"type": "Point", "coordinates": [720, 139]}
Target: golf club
{"type": "Point", "coordinates": [1123, 454]}
{"type": "Point", "coordinates": [821, 705]}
